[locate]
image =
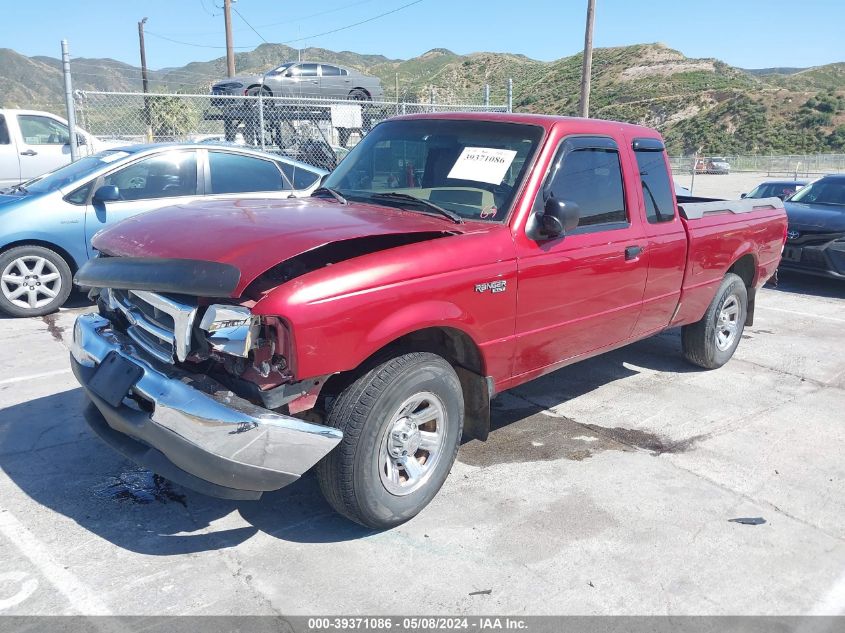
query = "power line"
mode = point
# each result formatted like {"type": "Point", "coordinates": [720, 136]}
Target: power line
{"type": "Point", "coordinates": [299, 39]}
{"type": "Point", "coordinates": [293, 20]}
{"type": "Point", "coordinates": [249, 25]}
{"type": "Point", "coordinates": [212, 14]}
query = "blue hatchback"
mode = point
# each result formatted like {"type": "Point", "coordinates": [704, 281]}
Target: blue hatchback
{"type": "Point", "coordinates": [46, 224]}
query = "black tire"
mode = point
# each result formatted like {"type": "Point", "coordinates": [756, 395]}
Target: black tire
{"type": "Point", "coordinates": [350, 476]}
{"type": "Point", "coordinates": [60, 286]}
{"type": "Point", "coordinates": [705, 342]}
{"type": "Point", "coordinates": [357, 94]}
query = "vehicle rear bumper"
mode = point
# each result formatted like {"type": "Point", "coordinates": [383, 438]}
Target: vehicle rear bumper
{"type": "Point", "coordinates": [817, 272]}
{"type": "Point", "coordinates": [189, 428]}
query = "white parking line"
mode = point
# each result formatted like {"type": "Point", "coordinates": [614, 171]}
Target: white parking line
{"type": "Point", "coordinates": [833, 602]}
{"type": "Point", "coordinates": [80, 597]}
{"type": "Point", "coordinates": [804, 314]}
{"type": "Point", "coordinates": [46, 374]}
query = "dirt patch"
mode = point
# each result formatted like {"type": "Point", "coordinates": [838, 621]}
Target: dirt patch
{"type": "Point", "coordinates": [55, 330]}
{"type": "Point", "coordinates": [523, 432]}
{"type": "Point", "coordinates": [139, 486]}
{"type": "Point", "coordinates": [665, 69]}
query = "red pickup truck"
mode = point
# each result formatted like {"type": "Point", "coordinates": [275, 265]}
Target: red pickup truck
{"type": "Point", "coordinates": [365, 330]}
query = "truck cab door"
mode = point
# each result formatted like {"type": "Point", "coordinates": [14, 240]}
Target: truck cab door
{"type": "Point", "coordinates": [44, 144]}
{"type": "Point", "coordinates": [582, 291]}
{"type": "Point", "coordinates": [164, 179]}
{"type": "Point", "coordinates": [10, 165]}
{"type": "Point", "coordinates": [665, 237]}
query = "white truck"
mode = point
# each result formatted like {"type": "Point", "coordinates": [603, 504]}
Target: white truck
{"type": "Point", "coordinates": [34, 142]}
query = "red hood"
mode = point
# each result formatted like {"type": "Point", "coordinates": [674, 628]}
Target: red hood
{"type": "Point", "coordinates": [255, 235]}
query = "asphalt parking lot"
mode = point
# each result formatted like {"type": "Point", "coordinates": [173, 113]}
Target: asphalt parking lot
{"type": "Point", "coordinates": [606, 487]}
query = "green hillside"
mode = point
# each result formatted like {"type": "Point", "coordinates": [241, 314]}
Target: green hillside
{"type": "Point", "coordinates": [696, 103]}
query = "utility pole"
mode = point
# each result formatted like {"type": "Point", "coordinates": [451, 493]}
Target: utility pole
{"type": "Point", "coordinates": [143, 54]}
{"type": "Point", "coordinates": [230, 50]}
{"type": "Point", "coordinates": [145, 79]}
{"type": "Point", "coordinates": [71, 112]}
{"type": "Point", "coordinates": [587, 68]}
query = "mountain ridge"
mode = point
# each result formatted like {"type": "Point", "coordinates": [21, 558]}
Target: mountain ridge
{"type": "Point", "coordinates": [695, 102]}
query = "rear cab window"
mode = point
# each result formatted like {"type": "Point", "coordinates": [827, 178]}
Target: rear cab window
{"type": "Point", "coordinates": [655, 180]}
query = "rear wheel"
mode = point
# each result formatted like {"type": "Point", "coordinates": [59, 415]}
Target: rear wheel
{"type": "Point", "coordinates": [34, 281]}
{"type": "Point", "coordinates": [401, 424]}
{"type": "Point", "coordinates": [712, 341]}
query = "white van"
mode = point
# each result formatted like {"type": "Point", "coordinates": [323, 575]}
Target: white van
{"type": "Point", "coordinates": [33, 143]}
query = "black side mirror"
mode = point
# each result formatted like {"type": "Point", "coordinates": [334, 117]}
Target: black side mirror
{"type": "Point", "coordinates": [81, 140]}
{"type": "Point", "coordinates": [742, 195]}
{"type": "Point", "coordinates": [107, 193]}
{"type": "Point", "coordinates": [558, 218]}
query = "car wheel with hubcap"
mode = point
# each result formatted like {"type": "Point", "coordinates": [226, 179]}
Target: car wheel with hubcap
{"type": "Point", "coordinates": [34, 281]}
{"type": "Point", "coordinates": [401, 423]}
{"type": "Point", "coordinates": [711, 342]}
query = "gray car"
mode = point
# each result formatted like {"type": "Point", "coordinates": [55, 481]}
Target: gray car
{"type": "Point", "coordinates": [303, 79]}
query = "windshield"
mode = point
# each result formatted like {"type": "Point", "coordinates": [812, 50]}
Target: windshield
{"type": "Point", "coordinates": [822, 192]}
{"type": "Point", "coordinates": [64, 176]}
{"type": "Point", "coordinates": [471, 168]}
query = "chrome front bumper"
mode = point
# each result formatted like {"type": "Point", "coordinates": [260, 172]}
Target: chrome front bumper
{"type": "Point", "coordinates": [205, 431]}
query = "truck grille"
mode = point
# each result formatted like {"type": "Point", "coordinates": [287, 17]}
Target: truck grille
{"type": "Point", "coordinates": [158, 324]}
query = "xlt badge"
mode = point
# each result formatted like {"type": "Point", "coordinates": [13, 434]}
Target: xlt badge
{"type": "Point", "coordinates": [500, 285]}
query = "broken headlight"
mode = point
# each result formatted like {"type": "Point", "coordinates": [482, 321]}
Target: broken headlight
{"type": "Point", "coordinates": [230, 329]}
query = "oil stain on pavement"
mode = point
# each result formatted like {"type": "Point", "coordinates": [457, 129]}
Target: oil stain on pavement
{"type": "Point", "coordinates": [139, 486]}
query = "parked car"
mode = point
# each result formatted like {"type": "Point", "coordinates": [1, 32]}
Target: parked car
{"type": "Point", "coordinates": [368, 328]}
{"type": "Point", "coordinates": [46, 224]}
{"type": "Point", "coordinates": [34, 142]}
{"type": "Point", "coordinates": [715, 165]}
{"type": "Point", "coordinates": [302, 79]}
{"type": "Point", "coordinates": [775, 189]}
{"type": "Point", "coordinates": [815, 241]}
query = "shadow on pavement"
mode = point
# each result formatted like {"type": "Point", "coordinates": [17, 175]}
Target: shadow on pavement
{"type": "Point", "coordinates": [796, 283]}
{"type": "Point", "coordinates": [47, 450]}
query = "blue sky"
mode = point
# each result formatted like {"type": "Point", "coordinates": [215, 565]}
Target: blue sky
{"type": "Point", "coordinates": [745, 33]}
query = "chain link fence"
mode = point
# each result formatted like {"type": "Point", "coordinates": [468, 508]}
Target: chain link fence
{"type": "Point", "coordinates": [793, 165]}
{"type": "Point", "coordinates": [317, 131]}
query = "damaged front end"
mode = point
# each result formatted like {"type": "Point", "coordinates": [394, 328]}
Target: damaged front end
{"type": "Point", "coordinates": [197, 391]}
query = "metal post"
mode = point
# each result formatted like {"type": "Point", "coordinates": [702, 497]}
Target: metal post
{"type": "Point", "coordinates": [71, 113]}
{"type": "Point", "coordinates": [487, 94]}
{"type": "Point", "coordinates": [692, 180]}
{"type": "Point", "coordinates": [261, 112]}
{"type": "Point", "coordinates": [396, 82]}
{"type": "Point", "coordinates": [510, 95]}
{"type": "Point", "coordinates": [431, 97]}
{"type": "Point", "coordinates": [587, 63]}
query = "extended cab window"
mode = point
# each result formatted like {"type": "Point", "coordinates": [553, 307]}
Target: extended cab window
{"type": "Point", "coordinates": [657, 187]}
{"type": "Point", "coordinates": [591, 177]}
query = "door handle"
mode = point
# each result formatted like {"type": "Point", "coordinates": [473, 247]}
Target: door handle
{"type": "Point", "coordinates": [632, 252]}
{"type": "Point", "coordinates": [29, 152]}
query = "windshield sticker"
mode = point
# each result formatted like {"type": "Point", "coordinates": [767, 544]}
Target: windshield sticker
{"type": "Point", "coordinates": [483, 164]}
{"type": "Point", "coordinates": [113, 156]}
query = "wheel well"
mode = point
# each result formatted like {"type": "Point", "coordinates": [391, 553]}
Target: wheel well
{"type": "Point", "coordinates": [746, 269]}
{"type": "Point", "coordinates": [364, 90]}
{"type": "Point", "coordinates": [58, 249]}
{"type": "Point", "coordinates": [458, 349]}
{"type": "Point", "coordinates": [263, 88]}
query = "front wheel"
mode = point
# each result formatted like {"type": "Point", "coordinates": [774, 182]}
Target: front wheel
{"type": "Point", "coordinates": [402, 424]}
{"type": "Point", "coordinates": [712, 341]}
{"type": "Point", "coordinates": [34, 281]}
